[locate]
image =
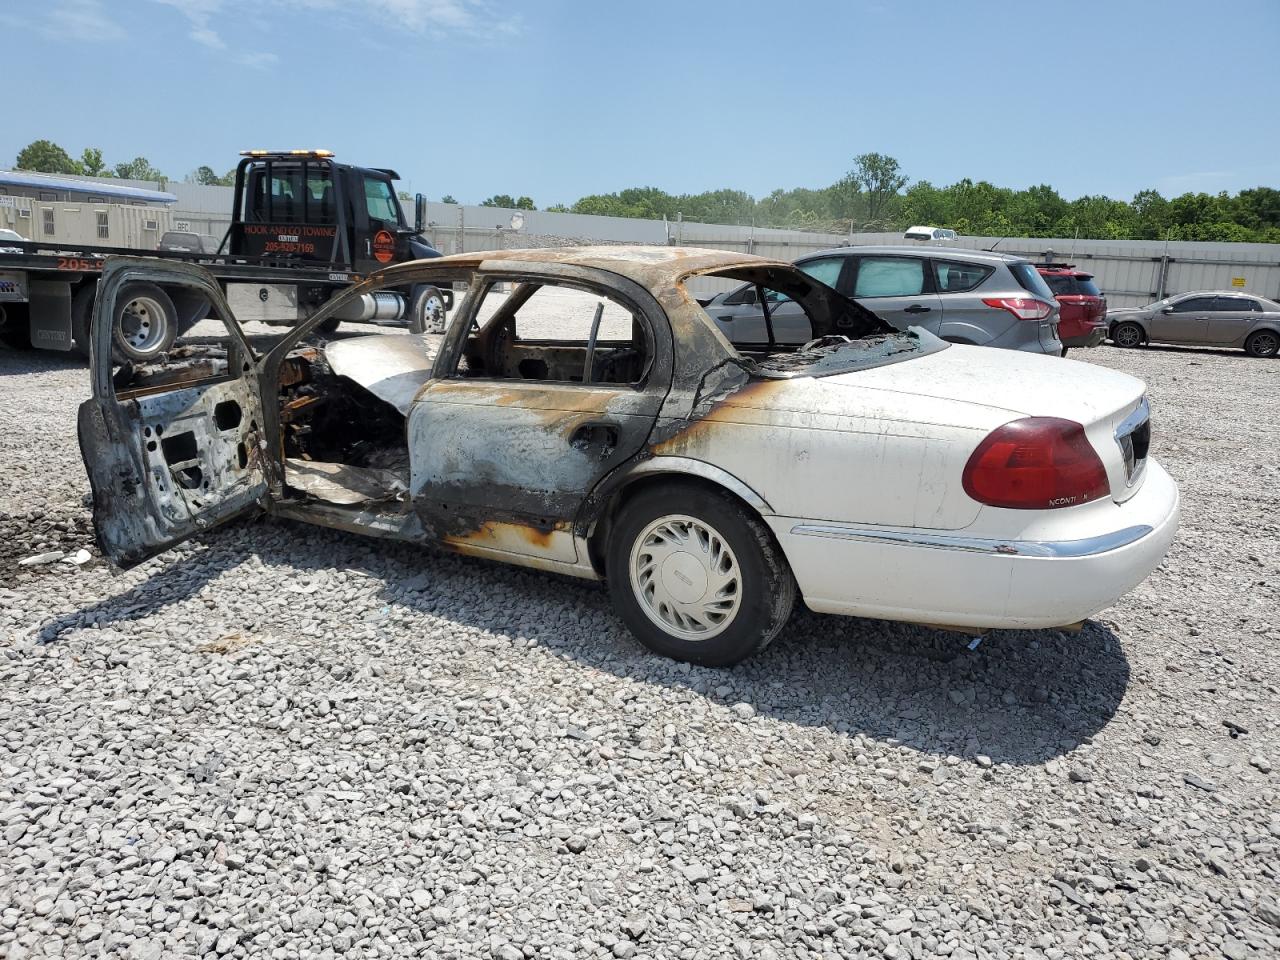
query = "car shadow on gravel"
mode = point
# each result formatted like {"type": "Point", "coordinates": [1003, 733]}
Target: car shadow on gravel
{"type": "Point", "coordinates": [14, 361]}
{"type": "Point", "coordinates": [1020, 697]}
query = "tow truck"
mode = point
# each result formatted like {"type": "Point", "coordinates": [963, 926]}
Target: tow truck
{"type": "Point", "coordinates": [303, 228]}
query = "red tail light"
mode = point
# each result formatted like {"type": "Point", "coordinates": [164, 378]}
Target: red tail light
{"type": "Point", "coordinates": [1024, 308]}
{"type": "Point", "coordinates": [1035, 464]}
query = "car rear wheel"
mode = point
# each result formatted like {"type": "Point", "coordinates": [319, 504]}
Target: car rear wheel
{"type": "Point", "coordinates": [1264, 343]}
{"type": "Point", "coordinates": [1127, 335]}
{"type": "Point", "coordinates": [696, 577]}
{"type": "Point", "coordinates": [144, 325]}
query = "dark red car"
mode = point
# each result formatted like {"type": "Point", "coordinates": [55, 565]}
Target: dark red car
{"type": "Point", "coordinates": [1082, 320]}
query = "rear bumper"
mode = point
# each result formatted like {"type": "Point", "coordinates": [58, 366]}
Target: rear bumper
{"type": "Point", "coordinates": [949, 579]}
{"type": "Point", "coordinates": [1090, 339]}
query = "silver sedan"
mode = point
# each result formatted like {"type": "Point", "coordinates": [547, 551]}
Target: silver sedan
{"type": "Point", "coordinates": [1203, 319]}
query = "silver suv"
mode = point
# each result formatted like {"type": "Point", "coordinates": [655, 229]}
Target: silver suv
{"type": "Point", "coordinates": [965, 296]}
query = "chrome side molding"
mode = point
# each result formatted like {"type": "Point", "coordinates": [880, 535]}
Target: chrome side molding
{"type": "Point", "coordinates": [1088, 547]}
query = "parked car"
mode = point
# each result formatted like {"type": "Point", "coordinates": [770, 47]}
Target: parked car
{"type": "Point", "coordinates": [1082, 316]}
{"type": "Point", "coordinates": [583, 416]}
{"type": "Point", "coordinates": [9, 236]}
{"type": "Point", "coordinates": [929, 233]}
{"type": "Point", "coordinates": [1207, 318]}
{"type": "Point", "coordinates": [183, 242]}
{"type": "Point", "coordinates": [963, 296]}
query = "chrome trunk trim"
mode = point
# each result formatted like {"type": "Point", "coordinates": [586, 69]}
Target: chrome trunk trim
{"type": "Point", "coordinates": [1134, 438]}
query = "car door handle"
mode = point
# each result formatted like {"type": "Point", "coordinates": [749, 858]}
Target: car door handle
{"type": "Point", "coordinates": [599, 435]}
{"type": "Point", "coordinates": [917, 308]}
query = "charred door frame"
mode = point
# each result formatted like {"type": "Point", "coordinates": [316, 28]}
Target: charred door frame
{"type": "Point", "coordinates": [269, 365]}
{"type": "Point", "coordinates": [113, 432]}
{"type": "Point", "coordinates": [493, 526]}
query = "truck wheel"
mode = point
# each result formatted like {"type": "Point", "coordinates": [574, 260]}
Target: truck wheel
{"type": "Point", "coordinates": [15, 327]}
{"type": "Point", "coordinates": [144, 323]}
{"type": "Point", "coordinates": [81, 314]}
{"type": "Point", "coordinates": [426, 310]}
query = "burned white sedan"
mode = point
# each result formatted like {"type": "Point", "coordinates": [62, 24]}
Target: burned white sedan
{"type": "Point", "coordinates": [582, 414]}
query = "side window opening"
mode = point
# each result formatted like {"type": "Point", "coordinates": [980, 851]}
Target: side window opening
{"type": "Point", "coordinates": [955, 277]}
{"type": "Point", "coordinates": [170, 335]}
{"type": "Point", "coordinates": [827, 270]}
{"type": "Point", "coordinates": [558, 332]}
{"type": "Point", "coordinates": [889, 277]}
{"type": "Point", "coordinates": [379, 200]}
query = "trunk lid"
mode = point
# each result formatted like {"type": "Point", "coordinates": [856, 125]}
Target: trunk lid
{"type": "Point", "coordinates": [1110, 405]}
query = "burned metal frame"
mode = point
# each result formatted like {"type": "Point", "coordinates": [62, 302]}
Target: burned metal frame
{"type": "Point", "coordinates": [178, 456]}
{"type": "Point", "coordinates": [527, 470]}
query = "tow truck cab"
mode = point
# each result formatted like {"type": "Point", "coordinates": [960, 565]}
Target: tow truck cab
{"type": "Point", "coordinates": [301, 205]}
{"type": "Point", "coordinates": [304, 228]}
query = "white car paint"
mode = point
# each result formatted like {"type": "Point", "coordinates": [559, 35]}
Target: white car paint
{"type": "Point", "coordinates": [854, 462]}
{"type": "Point", "coordinates": [883, 452]}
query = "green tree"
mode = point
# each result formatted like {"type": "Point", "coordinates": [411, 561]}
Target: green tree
{"type": "Point", "coordinates": [139, 168]}
{"type": "Point", "coordinates": [91, 163]}
{"type": "Point", "coordinates": [447, 198]}
{"type": "Point", "coordinates": [924, 203]}
{"type": "Point", "coordinates": [1258, 208]}
{"type": "Point", "coordinates": [525, 203]}
{"type": "Point", "coordinates": [206, 176]}
{"type": "Point", "coordinates": [717, 206]}
{"type": "Point", "coordinates": [500, 200]}
{"type": "Point", "coordinates": [879, 178]}
{"type": "Point", "coordinates": [45, 156]}
{"type": "Point", "coordinates": [1150, 215]}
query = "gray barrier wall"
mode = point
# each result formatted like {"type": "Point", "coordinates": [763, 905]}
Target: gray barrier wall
{"type": "Point", "coordinates": [1130, 272]}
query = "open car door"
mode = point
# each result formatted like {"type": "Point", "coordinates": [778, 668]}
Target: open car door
{"type": "Point", "coordinates": [172, 446]}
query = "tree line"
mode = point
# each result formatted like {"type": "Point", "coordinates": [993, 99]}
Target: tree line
{"type": "Point", "coordinates": [874, 195]}
{"type": "Point", "coordinates": [45, 156]}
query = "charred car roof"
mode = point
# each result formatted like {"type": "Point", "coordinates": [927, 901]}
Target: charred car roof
{"type": "Point", "coordinates": [653, 267]}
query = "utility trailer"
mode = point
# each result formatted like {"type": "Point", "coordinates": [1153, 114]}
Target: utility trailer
{"type": "Point", "coordinates": [303, 229]}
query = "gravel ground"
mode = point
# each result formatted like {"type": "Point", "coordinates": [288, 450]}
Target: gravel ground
{"type": "Point", "coordinates": [282, 741]}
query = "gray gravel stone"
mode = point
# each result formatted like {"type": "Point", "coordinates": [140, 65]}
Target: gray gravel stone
{"type": "Point", "coordinates": [281, 741]}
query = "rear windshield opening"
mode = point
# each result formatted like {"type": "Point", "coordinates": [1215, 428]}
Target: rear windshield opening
{"type": "Point", "coordinates": [1064, 286]}
{"type": "Point", "coordinates": [1029, 279]}
{"type": "Point", "coordinates": [783, 321]}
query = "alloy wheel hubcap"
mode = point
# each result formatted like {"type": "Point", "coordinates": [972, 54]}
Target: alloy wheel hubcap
{"type": "Point", "coordinates": [686, 577]}
{"type": "Point", "coordinates": [1127, 337]}
{"type": "Point", "coordinates": [142, 324]}
{"type": "Point", "coordinates": [1266, 345]}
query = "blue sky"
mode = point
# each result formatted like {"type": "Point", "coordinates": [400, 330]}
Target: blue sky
{"type": "Point", "coordinates": [560, 98]}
